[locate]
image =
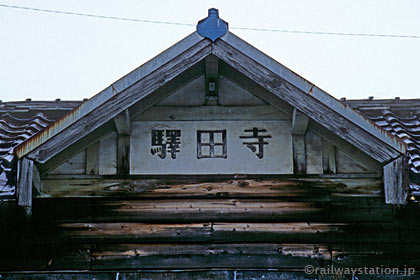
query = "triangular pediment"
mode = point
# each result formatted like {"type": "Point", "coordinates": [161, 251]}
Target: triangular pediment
{"type": "Point", "coordinates": [236, 109]}
{"type": "Point", "coordinates": [275, 106]}
{"type": "Point", "coordinates": [226, 80]}
{"type": "Point", "coordinates": [194, 94]}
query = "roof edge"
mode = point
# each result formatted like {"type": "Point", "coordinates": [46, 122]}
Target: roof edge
{"type": "Point", "coordinates": [311, 89]}
{"type": "Point", "coordinates": [116, 87]}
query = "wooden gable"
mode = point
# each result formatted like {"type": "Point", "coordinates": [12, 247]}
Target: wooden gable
{"type": "Point", "coordinates": [289, 146]}
{"type": "Point", "coordinates": [239, 112]}
{"type": "Point", "coordinates": [154, 173]}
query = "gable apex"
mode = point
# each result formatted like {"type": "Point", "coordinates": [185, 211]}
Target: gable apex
{"type": "Point", "coordinates": [212, 27]}
{"type": "Point", "coordinates": [109, 92]}
{"type": "Point", "coordinates": [314, 91]}
{"type": "Point", "coordinates": [280, 83]}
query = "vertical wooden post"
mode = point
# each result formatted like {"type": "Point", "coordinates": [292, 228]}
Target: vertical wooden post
{"type": "Point", "coordinates": [396, 181]}
{"type": "Point", "coordinates": [123, 154]}
{"type": "Point", "coordinates": [299, 126]}
{"type": "Point", "coordinates": [24, 185]}
{"type": "Point", "coordinates": [122, 124]}
{"type": "Point", "coordinates": [212, 79]}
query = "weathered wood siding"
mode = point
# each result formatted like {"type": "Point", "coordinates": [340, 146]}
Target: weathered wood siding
{"type": "Point", "coordinates": [320, 202]}
{"type": "Point", "coordinates": [102, 224]}
{"type": "Point", "coordinates": [315, 151]}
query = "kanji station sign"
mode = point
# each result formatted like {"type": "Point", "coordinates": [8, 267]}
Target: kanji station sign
{"type": "Point", "coordinates": [211, 147]}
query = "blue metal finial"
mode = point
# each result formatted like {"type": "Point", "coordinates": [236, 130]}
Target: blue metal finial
{"type": "Point", "coordinates": [212, 27]}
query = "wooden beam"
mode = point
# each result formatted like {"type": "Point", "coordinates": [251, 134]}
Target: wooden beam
{"type": "Point", "coordinates": [299, 126]}
{"type": "Point", "coordinates": [135, 110]}
{"type": "Point", "coordinates": [121, 101]}
{"type": "Point", "coordinates": [235, 232]}
{"type": "Point", "coordinates": [188, 43]}
{"type": "Point", "coordinates": [299, 154]}
{"type": "Point", "coordinates": [280, 89]}
{"type": "Point", "coordinates": [396, 181]}
{"type": "Point", "coordinates": [212, 67]}
{"type": "Point", "coordinates": [212, 79]}
{"type": "Point", "coordinates": [207, 113]}
{"type": "Point", "coordinates": [76, 148]}
{"type": "Point", "coordinates": [24, 185]}
{"type": "Point", "coordinates": [187, 210]}
{"type": "Point", "coordinates": [123, 127]}
{"type": "Point", "coordinates": [123, 154]}
{"type": "Point", "coordinates": [210, 256]}
{"type": "Point", "coordinates": [299, 123]}
{"type": "Point", "coordinates": [122, 123]}
{"type": "Point", "coordinates": [318, 189]}
{"type": "Point", "coordinates": [310, 89]}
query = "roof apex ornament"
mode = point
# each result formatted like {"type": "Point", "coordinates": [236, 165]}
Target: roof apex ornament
{"type": "Point", "coordinates": [212, 27]}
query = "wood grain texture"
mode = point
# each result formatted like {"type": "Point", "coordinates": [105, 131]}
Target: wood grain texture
{"type": "Point", "coordinates": [194, 188]}
{"type": "Point", "coordinates": [122, 123]}
{"type": "Point", "coordinates": [342, 209]}
{"type": "Point", "coordinates": [317, 111]}
{"type": "Point", "coordinates": [299, 122]}
{"type": "Point", "coordinates": [24, 184]}
{"type": "Point", "coordinates": [343, 233]}
{"type": "Point", "coordinates": [123, 154]}
{"type": "Point", "coordinates": [120, 102]}
{"type": "Point", "coordinates": [395, 181]}
{"type": "Point", "coordinates": [158, 256]}
{"type": "Point", "coordinates": [299, 154]}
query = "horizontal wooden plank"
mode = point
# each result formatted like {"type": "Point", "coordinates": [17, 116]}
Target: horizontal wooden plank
{"type": "Point", "coordinates": [203, 113]}
{"type": "Point", "coordinates": [341, 209]}
{"type": "Point", "coordinates": [303, 232]}
{"type": "Point", "coordinates": [135, 232]}
{"type": "Point", "coordinates": [35, 257]}
{"type": "Point", "coordinates": [231, 233]}
{"type": "Point", "coordinates": [173, 256]}
{"type": "Point", "coordinates": [149, 188]}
